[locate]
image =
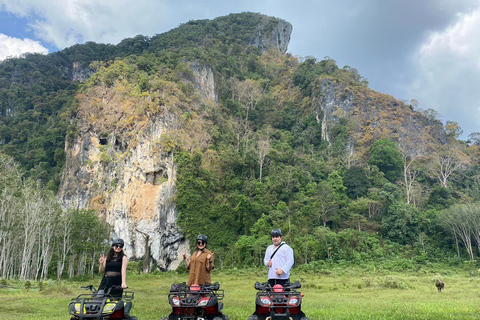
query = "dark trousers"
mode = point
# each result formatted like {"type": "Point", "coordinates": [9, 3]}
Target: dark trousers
{"type": "Point", "coordinates": [109, 282]}
{"type": "Point", "coordinates": [273, 282]}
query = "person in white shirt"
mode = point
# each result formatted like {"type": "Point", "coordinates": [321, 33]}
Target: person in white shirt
{"type": "Point", "coordinates": [278, 259]}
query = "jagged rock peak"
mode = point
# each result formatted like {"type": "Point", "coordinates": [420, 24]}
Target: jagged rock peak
{"type": "Point", "coordinates": [251, 29]}
{"type": "Point", "coordinates": [267, 38]}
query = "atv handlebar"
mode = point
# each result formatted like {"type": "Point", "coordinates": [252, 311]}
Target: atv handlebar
{"type": "Point", "coordinates": [266, 286]}
{"type": "Point", "coordinates": [90, 287]}
{"type": "Point", "coordinates": [207, 286]}
{"type": "Point", "coordinates": [183, 290]}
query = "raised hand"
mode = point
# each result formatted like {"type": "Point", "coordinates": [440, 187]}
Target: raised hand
{"type": "Point", "coordinates": [102, 259]}
{"type": "Point", "coordinates": [209, 256]}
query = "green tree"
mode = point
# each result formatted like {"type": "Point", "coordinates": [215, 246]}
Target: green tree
{"type": "Point", "coordinates": [401, 222]}
{"type": "Point", "coordinates": [385, 155]}
{"type": "Point", "coordinates": [356, 181]}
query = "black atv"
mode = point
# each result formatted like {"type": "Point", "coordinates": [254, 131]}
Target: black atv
{"type": "Point", "coordinates": [101, 305]}
{"type": "Point", "coordinates": [196, 302]}
{"type": "Point", "coordinates": [278, 302]}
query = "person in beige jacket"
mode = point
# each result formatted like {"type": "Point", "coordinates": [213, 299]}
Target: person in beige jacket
{"type": "Point", "coordinates": [200, 264]}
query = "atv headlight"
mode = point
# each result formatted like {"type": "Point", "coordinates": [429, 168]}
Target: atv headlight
{"type": "Point", "coordinates": [176, 301]}
{"type": "Point", "coordinates": [266, 301]}
{"type": "Point", "coordinates": [74, 308]}
{"type": "Point", "coordinates": [293, 301]}
{"type": "Point", "coordinates": [109, 307]}
{"type": "Point", "coordinates": [203, 302]}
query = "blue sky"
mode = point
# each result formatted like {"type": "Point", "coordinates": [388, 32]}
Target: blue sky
{"type": "Point", "coordinates": [428, 50]}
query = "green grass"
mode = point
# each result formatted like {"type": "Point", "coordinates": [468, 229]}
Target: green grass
{"type": "Point", "coordinates": [339, 294]}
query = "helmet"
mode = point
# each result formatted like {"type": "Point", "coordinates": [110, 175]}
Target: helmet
{"type": "Point", "coordinates": [276, 233]}
{"type": "Point", "coordinates": [203, 238]}
{"type": "Point", "coordinates": [118, 241]}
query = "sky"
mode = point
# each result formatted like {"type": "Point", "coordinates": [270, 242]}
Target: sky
{"type": "Point", "coordinates": [427, 50]}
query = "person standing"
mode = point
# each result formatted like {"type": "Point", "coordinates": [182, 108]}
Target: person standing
{"type": "Point", "coordinates": [114, 267]}
{"type": "Point", "coordinates": [200, 264]}
{"type": "Point", "coordinates": [279, 259]}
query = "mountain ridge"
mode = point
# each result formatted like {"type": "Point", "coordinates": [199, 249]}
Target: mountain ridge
{"type": "Point", "coordinates": [198, 130]}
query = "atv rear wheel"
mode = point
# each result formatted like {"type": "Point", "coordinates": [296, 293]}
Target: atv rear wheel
{"type": "Point", "coordinates": [253, 317]}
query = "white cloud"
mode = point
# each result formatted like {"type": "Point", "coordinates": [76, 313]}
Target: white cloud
{"type": "Point", "coordinates": [448, 78]}
{"type": "Point", "coordinates": [67, 22]}
{"type": "Point", "coordinates": [13, 47]}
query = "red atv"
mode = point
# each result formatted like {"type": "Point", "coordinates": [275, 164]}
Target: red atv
{"type": "Point", "coordinates": [100, 305]}
{"type": "Point", "coordinates": [196, 302]}
{"type": "Point", "coordinates": [278, 302]}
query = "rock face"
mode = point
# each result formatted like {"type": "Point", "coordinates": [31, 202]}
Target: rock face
{"type": "Point", "coordinates": [368, 111]}
{"type": "Point", "coordinates": [133, 193]}
{"type": "Point", "coordinates": [268, 38]}
{"type": "Point", "coordinates": [128, 176]}
{"type": "Point", "coordinates": [204, 81]}
{"type": "Point", "coordinates": [327, 102]}
{"type": "Point", "coordinates": [79, 72]}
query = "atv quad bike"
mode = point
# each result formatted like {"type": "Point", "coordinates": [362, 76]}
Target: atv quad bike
{"type": "Point", "coordinates": [278, 302]}
{"type": "Point", "coordinates": [100, 305]}
{"type": "Point", "coordinates": [196, 302]}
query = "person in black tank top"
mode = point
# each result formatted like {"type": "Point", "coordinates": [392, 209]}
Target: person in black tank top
{"type": "Point", "coordinates": [114, 265]}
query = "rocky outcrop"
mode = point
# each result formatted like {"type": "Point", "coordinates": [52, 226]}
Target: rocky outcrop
{"type": "Point", "coordinates": [204, 81]}
{"type": "Point", "coordinates": [277, 37]}
{"type": "Point", "coordinates": [79, 72]}
{"type": "Point", "coordinates": [132, 188]}
{"type": "Point", "coordinates": [125, 170]}
{"type": "Point", "coordinates": [329, 105]}
{"type": "Point", "coordinates": [372, 115]}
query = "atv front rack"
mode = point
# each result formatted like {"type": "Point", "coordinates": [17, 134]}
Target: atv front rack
{"type": "Point", "coordinates": [183, 291]}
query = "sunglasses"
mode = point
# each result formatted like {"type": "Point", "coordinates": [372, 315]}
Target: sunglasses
{"type": "Point", "coordinates": [118, 246]}
{"type": "Point", "coordinates": [200, 243]}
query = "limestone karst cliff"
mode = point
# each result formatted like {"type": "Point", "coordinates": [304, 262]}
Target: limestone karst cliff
{"type": "Point", "coordinates": [122, 170]}
{"type": "Point", "coordinates": [118, 165]}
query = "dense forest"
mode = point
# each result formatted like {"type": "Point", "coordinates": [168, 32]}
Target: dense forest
{"type": "Point", "coordinates": [341, 193]}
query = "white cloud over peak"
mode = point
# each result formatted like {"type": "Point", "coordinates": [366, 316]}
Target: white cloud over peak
{"type": "Point", "coordinates": [13, 47]}
{"type": "Point", "coordinates": [67, 22]}
{"type": "Point", "coordinates": [448, 72]}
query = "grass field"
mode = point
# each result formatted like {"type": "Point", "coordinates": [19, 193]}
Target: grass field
{"type": "Point", "coordinates": [344, 294]}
